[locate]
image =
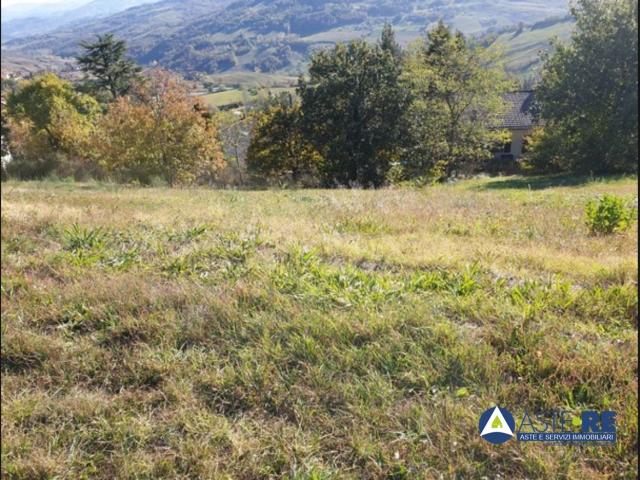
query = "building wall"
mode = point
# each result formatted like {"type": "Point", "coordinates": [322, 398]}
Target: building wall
{"type": "Point", "coordinates": [517, 141]}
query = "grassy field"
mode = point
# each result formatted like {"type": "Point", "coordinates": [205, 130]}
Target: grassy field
{"type": "Point", "coordinates": [252, 79]}
{"type": "Point", "coordinates": [522, 51]}
{"type": "Point", "coordinates": [157, 333]}
{"type": "Point", "coordinates": [229, 97]}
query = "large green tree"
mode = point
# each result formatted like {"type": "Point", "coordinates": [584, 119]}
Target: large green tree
{"type": "Point", "coordinates": [351, 107]}
{"type": "Point", "coordinates": [279, 149]}
{"type": "Point", "coordinates": [50, 124]}
{"type": "Point", "coordinates": [105, 59]}
{"type": "Point", "coordinates": [589, 92]}
{"type": "Point", "coordinates": [455, 101]}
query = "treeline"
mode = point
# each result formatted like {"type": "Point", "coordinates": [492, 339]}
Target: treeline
{"type": "Point", "coordinates": [366, 115]}
{"type": "Point", "coordinates": [118, 125]}
{"type": "Point", "coordinates": [588, 95]}
{"type": "Point", "coordinates": [372, 114]}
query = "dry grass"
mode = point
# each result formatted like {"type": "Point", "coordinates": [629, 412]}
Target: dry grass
{"type": "Point", "coordinates": [157, 333]}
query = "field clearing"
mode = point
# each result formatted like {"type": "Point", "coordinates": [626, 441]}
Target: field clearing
{"type": "Point", "coordinates": [311, 334]}
{"type": "Point", "coordinates": [229, 97]}
{"type": "Point", "coordinates": [522, 51]}
{"type": "Point", "coordinates": [253, 79]}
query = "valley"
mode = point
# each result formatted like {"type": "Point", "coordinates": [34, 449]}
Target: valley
{"type": "Point", "coordinates": [203, 37]}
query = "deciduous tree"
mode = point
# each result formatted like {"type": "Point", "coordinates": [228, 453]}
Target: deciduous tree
{"type": "Point", "coordinates": [589, 92]}
{"type": "Point", "coordinates": [279, 150]}
{"type": "Point", "coordinates": [160, 132]}
{"type": "Point", "coordinates": [235, 129]}
{"type": "Point", "coordinates": [455, 102]}
{"type": "Point", "coordinates": [50, 124]}
{"type": "Point", "coordinates": [352, 106]}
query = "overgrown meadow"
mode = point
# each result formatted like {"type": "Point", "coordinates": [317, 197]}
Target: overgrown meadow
{"type": "Point", "coordinates": [312, 334]}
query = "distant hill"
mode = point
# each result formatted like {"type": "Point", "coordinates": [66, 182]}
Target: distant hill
{"type": "Point", "coordinates": [522, 47]}
{"type": "Point", "coordinates": [277, 36]}
{"type": "Point", "coordinates": [35, 20]}
{"type": "Point", "coordinates": [29, 9]}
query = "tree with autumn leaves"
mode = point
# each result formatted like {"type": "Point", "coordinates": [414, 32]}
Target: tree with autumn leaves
{"type": "Point", "coordinates": [158, 132]}
{"type": "Point", "coordinates": [147, 128]}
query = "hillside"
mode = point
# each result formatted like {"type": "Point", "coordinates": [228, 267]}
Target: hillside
{"type": "Point", "coordinates": [34, 21]}
{"type": "Point", "coordinates": [522, 47]}
{"type": "Point", "coordinates": [25, 9]}
{"type": "Point", "coordinates": [197, 334]}
{"type": "Point", "coordinates": [273, 35]}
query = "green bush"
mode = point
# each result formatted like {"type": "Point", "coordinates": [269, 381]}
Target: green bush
{"type": "Point", "coordinates": [396, 174]}
{"type": "Point", "coordinates": [29, 167]}
{"type": "Point", "coordinates": [609, 214]}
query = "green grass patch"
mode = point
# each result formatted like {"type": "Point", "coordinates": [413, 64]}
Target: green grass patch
{"type": "Point", "coordinates": [159, 333]}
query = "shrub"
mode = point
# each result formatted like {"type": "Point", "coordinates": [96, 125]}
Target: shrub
{"type": "Point", "coordinates": [609, 214]}
{"type": "Point", "coordinates": [396, 174]}
{"type": "Point", "coordinates": [542, 155]}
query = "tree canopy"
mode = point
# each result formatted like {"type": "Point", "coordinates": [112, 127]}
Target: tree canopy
{"type": "Point", "coordinates": [106, 60]}
{"type": "Point", "coordinates": [589, 92]}
{"type": "Point", "coordinates": [48, 117]}
{"type": "Point", "coordinates": [456, 97]}
{"type": "Point", "coordinates": [352, 106]}
{"type": "Point", "coordinates": [162, 133]}
{"type": "Point", "coordinates": [279, 149]}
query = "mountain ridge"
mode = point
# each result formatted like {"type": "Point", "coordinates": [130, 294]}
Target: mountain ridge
{"type": "Point", "coordinates": [274, 36]}
{"type": "Point", "coordinates": [40, 22]}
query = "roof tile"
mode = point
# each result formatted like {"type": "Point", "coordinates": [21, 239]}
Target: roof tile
{"type": "Point", "coordinates": [519, 110]}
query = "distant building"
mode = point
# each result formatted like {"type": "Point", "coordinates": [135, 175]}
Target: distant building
{"type": "Point", "coordinates": [520, 121]}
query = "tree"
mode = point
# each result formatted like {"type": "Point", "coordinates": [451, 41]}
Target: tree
{"type": "Point", "coordinates": [105, 60]}
{"type": "Point", "coordinates": [455, 101]}
{"type": "Point", "coordinates": [279, 150]}
{"type": "Point", "coordinates": [589, 92]}
{"type": "Point", "coordinates": [162, 132]}
{"type": "Point", "coordinates": [235, 133]}
{"type": "Point", "coordinates": [47, 98]}
{"type": "Point", "coordinates": [388, 43]}
{"type": "Point", "coordinates": [50, 125]}
{"type": "Point", "coordinates": [351, 108]}
{"type": "Point", "coordinates": [7, 85]}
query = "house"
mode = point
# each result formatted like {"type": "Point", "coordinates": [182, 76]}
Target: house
{"type": "Point", "coordinates": [519, 120]}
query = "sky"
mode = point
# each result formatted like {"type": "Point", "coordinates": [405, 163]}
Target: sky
{"type": "Point", "coordinates": [10, 3]}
